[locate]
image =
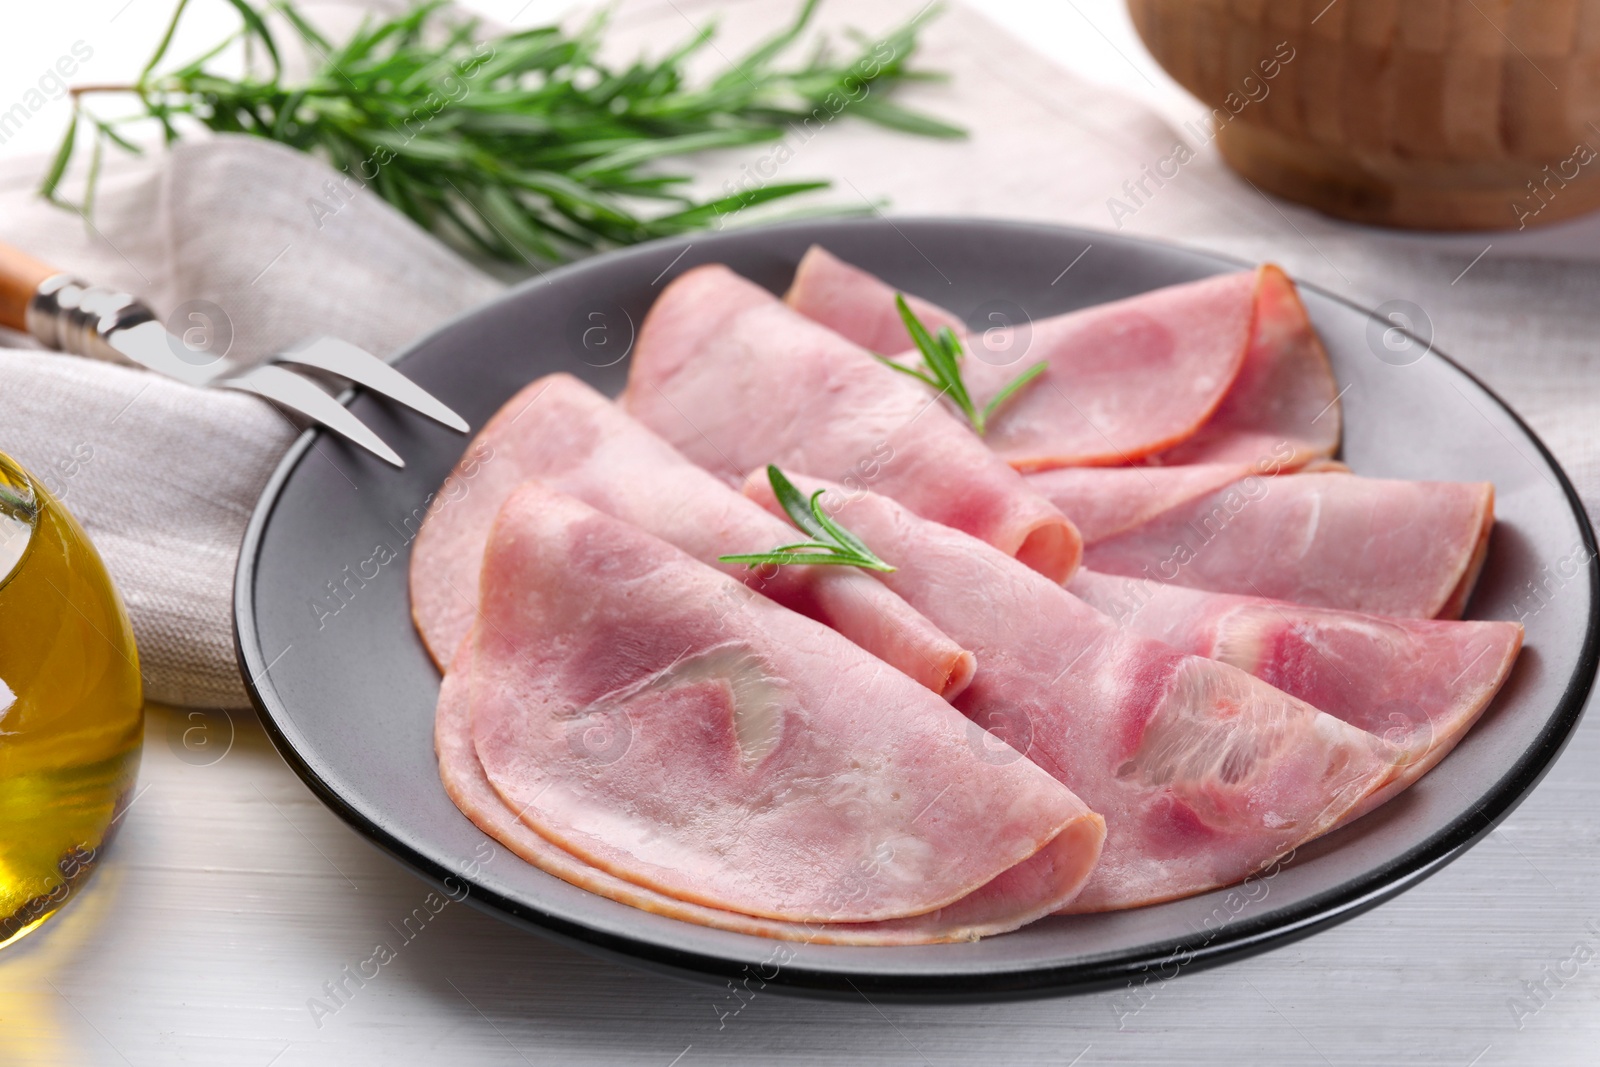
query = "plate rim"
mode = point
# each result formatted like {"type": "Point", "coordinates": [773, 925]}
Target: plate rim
{"type": "Point", "coordinates": [1240, 938]}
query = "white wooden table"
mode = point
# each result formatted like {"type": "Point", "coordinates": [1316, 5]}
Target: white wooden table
{"type": "Point", "coordinates": [233, 902]}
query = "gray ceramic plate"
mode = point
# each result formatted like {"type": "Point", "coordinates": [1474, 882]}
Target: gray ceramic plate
{"type": "Point", "coordinates": [349, 697]}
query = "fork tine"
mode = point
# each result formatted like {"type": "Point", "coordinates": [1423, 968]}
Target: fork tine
{"type": "Point", "coordinates": [357, 364]}
{"type": "Point", "coordinates": [299, 394]}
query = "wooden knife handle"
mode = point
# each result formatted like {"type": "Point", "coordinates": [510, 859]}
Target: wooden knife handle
{"type": "Point", "coordinates": [20, 275]}
{"type": "Point", "coordinates": [64, 313]}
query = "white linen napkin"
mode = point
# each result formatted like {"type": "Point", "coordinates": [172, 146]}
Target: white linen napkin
{"type": "Point", "coordinates": [174, 472]}
{"type": "Point", "coordinates": [164, 476]}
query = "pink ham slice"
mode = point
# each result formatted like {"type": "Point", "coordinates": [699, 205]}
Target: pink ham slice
{"type": "Point", "coordinates": [662, 722]}
{"type": "Point", "coordinates": [1126, 379]}
{"type": "Point", "coordinates": [1105, 501]}
{"type": "Point", "coordinates": [1335, 540]}
{"type": "Point", "coordinates": [1284, 406]}
{"type": "Point", "coordinates": [857, 305]}
{"type": "Point", "coordinates": [1418, 683]}
{"type": "Point", "coordinates": [1203, 773]}
{"type": "Point", "coordinates": [561, 431]}
{"type": "Point", "coordinates": [735, 379]}
{"type": "Point", "coordinates": [1022, 894]}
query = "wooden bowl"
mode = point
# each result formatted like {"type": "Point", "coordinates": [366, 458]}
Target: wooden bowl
{"type": "Point", "coordinates": [1430, 114]}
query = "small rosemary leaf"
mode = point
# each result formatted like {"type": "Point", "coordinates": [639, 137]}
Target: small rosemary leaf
{"type": "Point", "coordinates": [833, 211]}
{"type": "Point", "coordinates": [943, 366]}
{"type": "Point", "coordinates": [849, 541]}
{"type": "Point", "coordinates": [918, 332]}
{"type": "Point", "coordinates": [111, 134]}
{"type": "Point", "coordinates": [165, 42]}
{"type": "Point", "coordinates": [258, 27]}
{"type": "Point", "coordinates": [701, 214]}
{"type": "Point", "coordinates": [509, 218]}
{"type": "Point", "coordinates": [769, 49]}
{"type": "Point", "coordinates": [660, 187]}
{"type": "Point", "coordinates": [951, 354]}
{"type": "Point", "coordinates": [195, 66]}
{"type": "Point", "coordinates": [592, 147]}
{"type": "Point", "coordinates": [252, 119]}
{"type": "Point", "coordinates": [636, 152]}
{"type": "Point", "coordinates": [415, 21]}
{"type": "Point", "coordinates": [1012, 387]}
{"type": "Point", "coordinates": [783, 559]}
{"type": "Point", "coordinates": [408, 28]}
{"type": "Point", "coordinates": [381, 76]}
{"type": "Point", "coordinates": [894, 117]}
{"type": "Point", "coordinates": [432, 149]}
{"type": "Point", "coordinates": [948, 346]}
{"type": "Point", "coordinates": [162, 114]}
{"type": "Point", "coordinates": [462, 35]}
{"type": "Point", "coordinates": [511, 100]}
{"type": "Point", "coordinates": [688, 48]}
{"type": "Point", "coordinates": [286, 113]}
{"type": "Point", "coordinates": [431, 74]}
{"type": "Point", "coordinates": [204, 84]}
{"type": "Point", "coordinates": [361, 43]}
{"type": "Point", "coordinates": [753, 559]}
{"type": "Point", "coordinates": [92, 181]}
{"type": "Point", "coordinates": [903, 369]}
{"type": "Point", "coordinates": [794, 504]}
{"type": "Point", "coordinates": [562, 226]}
{"type": "Point", "coordinates": [308, 33]}
{"type": "Point", "coordinates": [476, 234]}
{"type": "Point", "coordinates": [58, 165]}
{"type": "Point", "coordinates": [805, 546]}
{"type": "Point", "coordinates": [571, 196]}
{"type": "Point", "coordinates": [527, 55]}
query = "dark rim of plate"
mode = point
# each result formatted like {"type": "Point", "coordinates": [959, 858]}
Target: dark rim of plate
{"type": "Point", "coordinates": [1240, 938]}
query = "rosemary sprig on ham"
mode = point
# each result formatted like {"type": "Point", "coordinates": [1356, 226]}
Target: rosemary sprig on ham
{"type": "Point", "coordinates": [941, 368]}
{"type": "Point", "coordinates": [830, 542]}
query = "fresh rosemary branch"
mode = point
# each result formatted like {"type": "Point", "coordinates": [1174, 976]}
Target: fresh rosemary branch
{"type": "Point", "coordinates": [830, 542]}
{"type": "Point", "coordinates": [941, 358]}
{"type": "Point", "coordinates": [522, 146]}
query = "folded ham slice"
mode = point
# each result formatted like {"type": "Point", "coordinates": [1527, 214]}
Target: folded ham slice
{"type": "Point", "coordinates": [1285, 402]}
{"type": "Point", "coordinates": [735, 380]}
{"type": "Point", "coordinates": [1022, 894]}
{"type": "Point", "coordinates": [1336, 540]}
{"type": "Point", "coordinates": [859, 306]}
{"type": "Point", "coordinates": [1203, 773]}
{"type": "Point", "coordinates": [1125, 380]}
{"type": "Point", "coordinates": [662, 722]}
{"type": "Point", "coordinates": [561, 431]}
{"type": "Point", "coordinates": [1418, 683]}
{"type": "Point", "coordinates": [1106, 501]}
{"type": "Point", "coordinates": [1284, 399]}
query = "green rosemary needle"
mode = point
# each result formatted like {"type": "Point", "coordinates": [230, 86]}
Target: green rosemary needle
{"type": "Point", "coordinates": [830, 542]}
{"type": "Point", "coordinates": [941, 358]}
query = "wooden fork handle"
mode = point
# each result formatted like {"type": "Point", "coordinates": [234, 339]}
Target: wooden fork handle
{"type": "Point", "coordinates": [20, 275]}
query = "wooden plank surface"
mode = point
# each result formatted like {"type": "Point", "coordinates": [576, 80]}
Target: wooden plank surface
{"type": "Point", "coordinates": [233, 898]}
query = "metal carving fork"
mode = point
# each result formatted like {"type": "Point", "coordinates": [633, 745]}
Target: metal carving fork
{"type": "Point", "coordinates": [72, 316]}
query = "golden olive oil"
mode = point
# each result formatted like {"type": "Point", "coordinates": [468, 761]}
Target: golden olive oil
{"type": "Point", "coordinates": [71, 711]}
